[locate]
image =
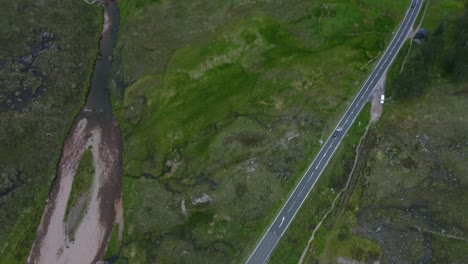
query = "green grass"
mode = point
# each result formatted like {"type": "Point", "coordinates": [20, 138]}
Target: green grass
{"type": "Point", "coordinates": [438, 10]}
{"type": "Point", "coordinates": [31, 140]}
{"type": "Point", "coordinates": [129, 9]}
{"type": "Point", "coordinates": [114, 243]}
{"type": "Point", "coordinates": [83, 179]}
{"type": "Point", "coordinates": [234, 109]}
{"type": "Point", "coordinates": [414, 167]}
{"type": "Point", "coordinates": [141, 50]}
{"type": "Point", "coordinates": [389, 186]}
{"type": "Point", "coordinates": [81, 189]}
{"type": "Point", "coordinates": [332, 180]}
{"type": "Point", "coordinates": [424, 59]}
{"type": "Point", "coordinates": [212, 105]}
{"type": "Point", "coordinates": [394, 71]}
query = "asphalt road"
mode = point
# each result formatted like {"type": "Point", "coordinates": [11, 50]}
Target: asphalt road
{"type": "Point", "coordinates": [276, 230]}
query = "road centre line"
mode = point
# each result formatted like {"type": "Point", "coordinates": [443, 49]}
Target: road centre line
{"type": "Point", "coordinates": [409, 16]}
{"type": "Point", "coordinates": [301, 191]}
{"type": "Point", "coordinates": [366, 90]}
{"type": "Point", "coordinates": [292, 205]}
{"type": "Point", "coordinates": [310, 177]}
{"type": "Point", "coordinates": [314, 182]}
{"type": "Point", "coordinates": [261, 251]}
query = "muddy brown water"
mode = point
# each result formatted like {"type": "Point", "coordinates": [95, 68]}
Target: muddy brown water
{"type": "Point", "coordinates": [98, 113]}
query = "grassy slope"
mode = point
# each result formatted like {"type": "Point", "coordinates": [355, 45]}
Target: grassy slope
{"type": "Point", "coordinates": [231, 103]}
{"type": "Point", "coordinates": [411, 192]}
{"type": "Point", "coordinates": [30, 140]}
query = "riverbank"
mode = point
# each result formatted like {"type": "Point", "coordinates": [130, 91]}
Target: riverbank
{"type": "Point", "coordinates": [54, 47]}
{"type": "Point", "coordinates": [97, 129]}
{"type": "Point", "coordinates": [227, 103]}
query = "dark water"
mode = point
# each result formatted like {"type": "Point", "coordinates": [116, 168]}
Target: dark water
{"type": "Point", "coordinates": [98, 113]}
{"type": "Point", "coordinates": [97, 101]}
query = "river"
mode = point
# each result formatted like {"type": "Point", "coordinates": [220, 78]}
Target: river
{"type": "Point", "coordinates": [97, 129]}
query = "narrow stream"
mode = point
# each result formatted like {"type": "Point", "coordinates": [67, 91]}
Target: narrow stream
{"type": "Point", "coordinates": [97, 129]}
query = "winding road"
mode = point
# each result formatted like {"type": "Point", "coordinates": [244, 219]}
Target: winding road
{"type": "Point", "coordinates": [282, 221]}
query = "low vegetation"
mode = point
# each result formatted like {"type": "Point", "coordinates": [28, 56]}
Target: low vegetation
{"type": "Point", "coordinates": [77, 204]}
{"type": "Point", "coordinates": [222, 111]}
{"type": "Point", "coordinates": [48, 49]}
{"type": "Point", "coordinates": [331, 182]}
{"type": "Point", "coordinates": [408, 198]}
{"type": "Point", "coordinates": [443, 53]}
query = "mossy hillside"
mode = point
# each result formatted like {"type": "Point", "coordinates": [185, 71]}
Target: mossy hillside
{"type": "Point", "coordinates": [233, 109]}
{"type": "Point", "coordinates": [155, 33]}
{"type": "Point", "coordinates": [168, 93]}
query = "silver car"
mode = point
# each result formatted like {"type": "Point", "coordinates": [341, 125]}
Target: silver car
{"type": "Point", "coordinates": [337, 131]}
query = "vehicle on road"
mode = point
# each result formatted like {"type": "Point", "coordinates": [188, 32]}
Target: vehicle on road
{"type": "Point", "coordinates": [337, 132]}
{"type": "Point", "coordinates": [278, 227]}
{"type": "Point", "coordinates": [382, 98]}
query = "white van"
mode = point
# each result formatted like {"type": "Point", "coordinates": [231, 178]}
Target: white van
{"type": "Point", "coordinates": [382, 98]}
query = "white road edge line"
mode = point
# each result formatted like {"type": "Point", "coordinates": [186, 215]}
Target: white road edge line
{"type": "Point", "coordinates": [409, 11]}
{"type": "Point", "coordinates": [320, 172]}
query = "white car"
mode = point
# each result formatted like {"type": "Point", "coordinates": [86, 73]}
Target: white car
{"type": "Point", "coordinates": [382, 98]}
